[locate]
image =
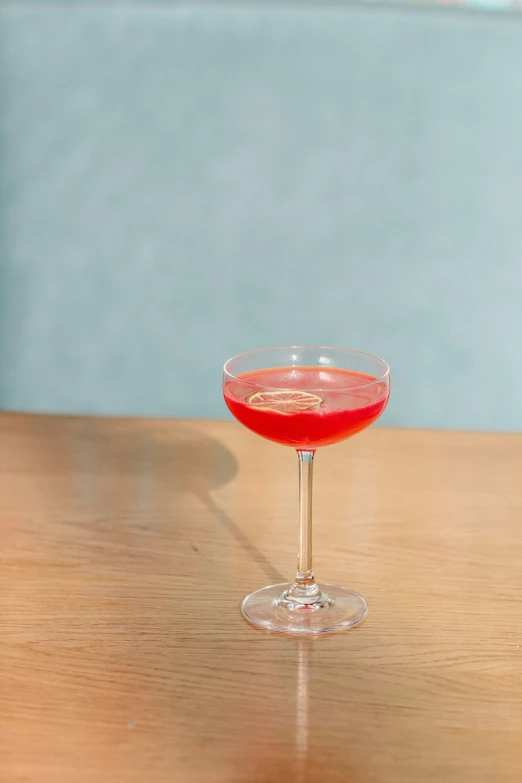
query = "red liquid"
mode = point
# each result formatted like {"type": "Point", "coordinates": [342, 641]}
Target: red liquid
{"type": "Point", "coordinates": [342, 413]}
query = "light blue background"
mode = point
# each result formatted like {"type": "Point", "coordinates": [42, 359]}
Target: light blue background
{"type": "Point", "coordinates": [182, 183]}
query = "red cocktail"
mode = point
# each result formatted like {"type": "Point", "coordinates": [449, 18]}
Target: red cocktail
{"type": "Point", "coordinates": [306, 407]}
{"type": "Point", "coordinates": [305, 397]}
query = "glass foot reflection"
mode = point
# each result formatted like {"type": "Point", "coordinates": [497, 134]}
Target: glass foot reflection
{"type": "Point", "coordinates": [335, 609]}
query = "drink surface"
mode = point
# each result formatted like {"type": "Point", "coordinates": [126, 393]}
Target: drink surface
{"type": "Point", "coordinates": [335, 403]}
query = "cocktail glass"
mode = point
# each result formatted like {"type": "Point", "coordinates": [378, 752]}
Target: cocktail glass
{"type": "Point", "coordinates": [305, 397]}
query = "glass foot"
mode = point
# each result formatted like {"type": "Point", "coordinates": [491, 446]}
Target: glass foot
{"type": "Point", "coordinates": [334, 609]}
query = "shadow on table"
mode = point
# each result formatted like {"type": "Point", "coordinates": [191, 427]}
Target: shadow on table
{"type": "Point", "coordinates": [230, 526]}
{"type": "Point", "coordinates": [142, 458]}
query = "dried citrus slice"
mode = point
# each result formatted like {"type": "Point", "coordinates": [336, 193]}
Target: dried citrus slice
{"type": "Point", "coordinates": [290, 401]}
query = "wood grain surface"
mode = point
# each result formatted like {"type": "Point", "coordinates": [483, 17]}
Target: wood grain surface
{"type": "Point", "coordinates": [127, 545]}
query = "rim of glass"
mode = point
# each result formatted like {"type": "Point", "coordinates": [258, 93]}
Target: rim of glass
{"type": "Point", "coordinates": [380, 379]}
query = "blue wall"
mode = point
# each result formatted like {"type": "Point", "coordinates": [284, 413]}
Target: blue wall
{"type": "Point", "coordinates": [181, 183]}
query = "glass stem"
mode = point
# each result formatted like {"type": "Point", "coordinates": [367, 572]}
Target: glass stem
{"type": "Point", "coordinates": [304, 585]}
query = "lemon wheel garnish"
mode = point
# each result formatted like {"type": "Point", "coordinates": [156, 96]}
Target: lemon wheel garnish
{"type": "Point", "coordinates": [284, 401]}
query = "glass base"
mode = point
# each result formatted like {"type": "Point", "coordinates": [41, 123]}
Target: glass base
{"type": "Point", "coordinates": [333, 609]}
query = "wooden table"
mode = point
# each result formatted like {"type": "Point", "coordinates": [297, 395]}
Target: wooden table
{"type": "Point", "coordinates": [127, 546]}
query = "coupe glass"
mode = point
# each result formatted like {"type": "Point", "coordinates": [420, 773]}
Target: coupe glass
{"type": "Point", "coordinates": [305, 397]}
